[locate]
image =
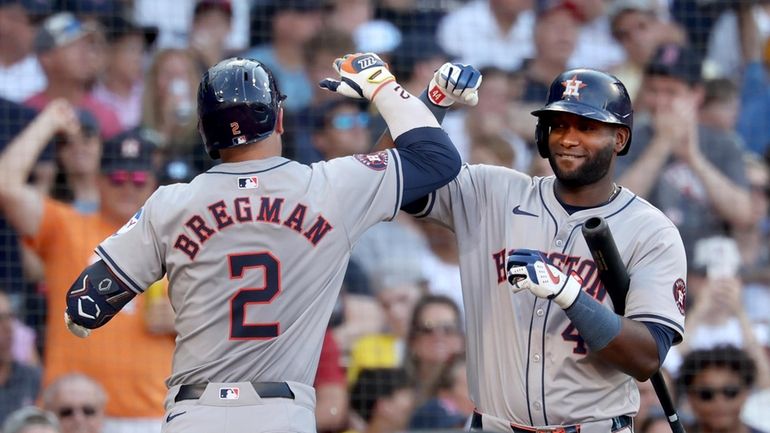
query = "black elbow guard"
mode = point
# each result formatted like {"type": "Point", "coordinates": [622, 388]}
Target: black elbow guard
{"type": "Point", "coordinates": [96, 296]}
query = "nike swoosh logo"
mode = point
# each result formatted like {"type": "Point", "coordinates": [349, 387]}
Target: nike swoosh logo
{"type": "Point", "coordinates": [170, 416]}
{"type": "Point", "coordinates": [518, 211]}
{"type": "Point", "coordinates": [554, 278]}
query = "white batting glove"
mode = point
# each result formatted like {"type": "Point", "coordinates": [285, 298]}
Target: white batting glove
{"type": "Point", "coordinates": [74, 328]}
{"type": "Point", "coordinates": [361, 76]}
{"type": "Point", "coordinates": [455, 82]}
{"type": "Point", "coordinates": [530, 270]}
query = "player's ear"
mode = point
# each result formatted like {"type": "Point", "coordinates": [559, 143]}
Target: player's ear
{"type": "Point", "coordinates": [622, 135]}
{"type": "Point", "coordinates": [279, 122]}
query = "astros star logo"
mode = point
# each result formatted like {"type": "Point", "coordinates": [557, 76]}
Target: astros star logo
{"type": "Point", "coordinates": [572, 87]}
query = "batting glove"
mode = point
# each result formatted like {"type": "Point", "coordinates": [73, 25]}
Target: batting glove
{"type": "Point", "coordinates": [74, 328]}
{"type": "Point", "coordinates": [361, 76]}
{"type": "Point", "coordinates": [530, 270]}
{"type": "Point", "coordinates": [455, 82]}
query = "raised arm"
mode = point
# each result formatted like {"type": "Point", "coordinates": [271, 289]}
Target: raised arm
{"type": "Point", "coordinates": [23, 203]}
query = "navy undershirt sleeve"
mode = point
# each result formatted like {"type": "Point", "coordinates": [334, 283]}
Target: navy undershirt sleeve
{"type": "Point", "coordinates": [664, 338]}
{"type": "Point", "coordinates": [429, 161]}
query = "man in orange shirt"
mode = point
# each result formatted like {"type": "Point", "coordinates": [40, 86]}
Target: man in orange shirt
{"type": "Point", "coordinates": [132, 357]}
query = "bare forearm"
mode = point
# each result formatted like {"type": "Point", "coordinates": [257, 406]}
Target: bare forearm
{"type": "Point", "coordinates": [641, 176]}
{"type": "Point", "coordinates": [633, 351]}
{"type": "Point", "coordinates": [19, 157]}
{"type": "Point", "coordinates": [731, 202]}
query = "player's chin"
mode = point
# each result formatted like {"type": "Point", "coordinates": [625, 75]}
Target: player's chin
{"type": "Point", "coordinates": [568, 164]}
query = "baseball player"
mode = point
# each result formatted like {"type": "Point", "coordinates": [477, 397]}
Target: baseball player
{"type": "Point", "coordinates": [546, 352]}
{"type": "Point", "coordinates": [255, 249]}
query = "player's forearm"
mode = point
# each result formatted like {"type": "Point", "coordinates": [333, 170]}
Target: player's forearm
{"type": "Point", "coordinates": [19, 157]}
{"type": "Point", "coordinates": [401, 110]}
{"type": "Point", "coordinates": [386, 141]}
{"type": "Point", "coordinates": [731, 202]}
{"type": "Point", "coordinates": [633, 351]}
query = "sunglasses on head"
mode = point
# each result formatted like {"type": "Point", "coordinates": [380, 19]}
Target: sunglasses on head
{"type": "Point", "coordinates": [347, 121]}
{"type": "Point", "coordinates": [436, 328]}
{"type": "Point", "coordinates": [68, 411]}
{"type": "Point", "coordinates": [121, 177]}
{"type": "Point", "coordinates": [708, 394]}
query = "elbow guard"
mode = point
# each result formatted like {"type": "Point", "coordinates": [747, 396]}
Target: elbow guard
{"type": "Point", "coordinates": [96, 296]}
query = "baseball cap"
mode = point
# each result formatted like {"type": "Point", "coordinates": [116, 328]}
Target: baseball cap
{"type": "Point", "coordinates": [204, 5]}
{"type": "Point", "coordinates": [18, 420]}
{"type": "Point", "coordinates": [130, 150]}
{"type": "Point", "coordinates": [36, 8]}
{"type": "Point", "coordinates": [378, 36]}
{"type": "Point", "coordinates": [117, 26]}
{"type": "Point", "coordinates": [676, 61]}
{"type": "Point", "coordinates": [59, 29]}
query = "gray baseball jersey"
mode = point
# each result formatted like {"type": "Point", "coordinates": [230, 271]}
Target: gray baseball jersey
{"type": "Point", "coordinates": [526, 361]}
{"type": "Point", "coordinates": [255, 253]}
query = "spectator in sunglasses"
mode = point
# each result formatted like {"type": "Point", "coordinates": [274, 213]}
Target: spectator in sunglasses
{"type": "Point", "coordinates": [65, 238]}
{"type": "Point", "coordinates": [435, 337]}
{"type": "Point", "coordinates": [341, 129]}
{"type": "Point", "coordinates": [717, 382]}
{"type": "Point", "coordinates": [78, 402]}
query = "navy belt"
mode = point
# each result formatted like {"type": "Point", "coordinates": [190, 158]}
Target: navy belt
{"type": "Point", "coordinates": [263, 389]}
{"type": "Point", "coordinates": [618, 423]}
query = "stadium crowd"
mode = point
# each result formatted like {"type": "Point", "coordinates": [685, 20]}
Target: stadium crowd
{"type": "Point", "coordinates": [97, 108]}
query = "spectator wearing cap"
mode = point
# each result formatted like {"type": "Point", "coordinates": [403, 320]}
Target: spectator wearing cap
{"type": "Point", "coordinates": [122, 84]}
{"type": "Point", "coordinates": [31, 419]}
{"type": "Point", "coordinates": [64, 239]}
{"type": "Point", "coordinates": [639, 26]}
{"type": "Point", "coordinates": [20, 73]}
{"type": "Point", "coordinates": [691, 172]}
{"type": "Point", "coordinates": [293, 23]}
{"type": "Point", "coordinates": [489, 33]}
{"type": "Point", "coordinates": [64, 47]}
{"type": "Point", "coordinates": [211, 23]}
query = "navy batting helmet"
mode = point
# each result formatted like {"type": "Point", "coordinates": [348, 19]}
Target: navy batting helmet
{"type": "Point", "coordinates": [238, 104]}
{"type": "Point", "coordinates": [587, 93]}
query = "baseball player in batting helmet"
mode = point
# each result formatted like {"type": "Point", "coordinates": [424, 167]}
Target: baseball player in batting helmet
{"type": "Point", "coordinates": [540, 325]}
{"type": "Point", "coordinates": [255, 249]}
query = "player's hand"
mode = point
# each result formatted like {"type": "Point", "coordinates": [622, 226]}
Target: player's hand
{"type": "Point", "coordinates": [455, 82]}
{"type": "Point", "coordinates": [74, 328]}
{"type": "Point", "coordinates": [530, 270]}
{"type": "Point", "coordinates": [361, 76]}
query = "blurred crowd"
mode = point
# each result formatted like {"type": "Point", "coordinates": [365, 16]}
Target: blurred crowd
{"type": "Point", "coordinates": [97, 109]}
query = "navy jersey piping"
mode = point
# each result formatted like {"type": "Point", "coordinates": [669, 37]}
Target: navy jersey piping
{"type": "Point", "coordinates": [661, 318]}
{"type": "Point", "coordinates": [542, 200]}
{"type": "Point", "coordinates": [542, 365]}
{"type": "Point", "coordinates": [399, 187]}
{"type": "Point", "coordinates": [248, 172]}
{"type": "Point", "coordinates": [103, 254]}
{"type": "Point", "coordinates": [529, 349]}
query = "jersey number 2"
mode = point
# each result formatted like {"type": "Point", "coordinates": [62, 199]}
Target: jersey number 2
{"type": "Point", "coordinates": [239, 263]}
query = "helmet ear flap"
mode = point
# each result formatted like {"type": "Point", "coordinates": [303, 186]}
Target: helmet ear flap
{"type": "Point", "coordinates": [541, 137]}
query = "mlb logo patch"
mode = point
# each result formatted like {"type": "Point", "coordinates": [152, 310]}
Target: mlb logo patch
{"type": "Point", "coordinates": [229, 393]}
{"type": "Point", "coordinates": [248, 182]}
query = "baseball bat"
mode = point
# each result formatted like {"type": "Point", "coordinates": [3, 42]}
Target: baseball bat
{"type": "Point", "coordinates": [614, 276]}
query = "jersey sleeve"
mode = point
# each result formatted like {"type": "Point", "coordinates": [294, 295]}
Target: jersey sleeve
{"type": "Point", "coordinates": [465, 199]}
{"type": "Point", "coordinates": [657, 290]}
{"type": "Point", "coordinates": [367, 188]}
{"type": "Point", "coordinates": [134, 253]}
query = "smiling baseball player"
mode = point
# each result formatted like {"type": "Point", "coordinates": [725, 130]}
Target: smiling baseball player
{"type": "Point", "coordinates": [546, 352]}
